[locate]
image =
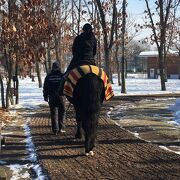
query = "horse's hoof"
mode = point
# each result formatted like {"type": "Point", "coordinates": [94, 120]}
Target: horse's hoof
{"type": "Point", "coordinates": [90, 153]}
{"type": "Point", "coordinates": [62, 130]}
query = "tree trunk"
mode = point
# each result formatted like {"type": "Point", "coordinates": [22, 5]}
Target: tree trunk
{"type": "Point", "coordinates": [123, 88]}
{"type": "Point", "coordinates": [48, 58]}
{"type": "Point", "coordinates": [2, 93]}
{"type": "Point", "coordinates": [79, 16]}
{"type": "Point", "coordinates": [8, 94]}
{"type": "Point", "coordinates": [162, 71]}
{"type": "Point", "coordinates": [117, 49]}
{"type": "Point", "coordinates": [46, 69]}
{"type": "Point", "coordinates": [117, 65]}
{"type": "Point", "coordinates": [111, 77]}
{"type": "Point", "coordinates": [106, 58]}
{"type": "Point", "coordinates": [60, 51]}
{"type": "Point", "coordinates": [38, 75]}
{"type": "Point", "coordinates": [17, 90]}
{"type": "Point", "coordinates": [58, 48]}
{"type": "Point", "coordinates": [45, 66]}
{"type": "Point", "coordinates": [99, 61]}
{"type": "Point", "coordinates": [125, 66]}
{"type": "Point", "coordinates": [16, 81]}
{"type": "Point", "coordinates": [9, 71]}
{"type": "Point", "coordinates": [11, 96]}
{"type": "Point", "coordinates": [105, 37]}
{"type": "Point", "coordinates": [72, 21]}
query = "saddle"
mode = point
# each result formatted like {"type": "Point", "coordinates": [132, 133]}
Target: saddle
{"type": "Point", "coordinates": [80, 71]}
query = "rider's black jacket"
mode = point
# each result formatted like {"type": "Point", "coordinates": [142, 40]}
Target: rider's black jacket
{"type": "Point", "coordinates": [83, 50]}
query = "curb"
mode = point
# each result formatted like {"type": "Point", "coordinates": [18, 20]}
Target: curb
{"type": "Point", "coordinates": [139, 97]}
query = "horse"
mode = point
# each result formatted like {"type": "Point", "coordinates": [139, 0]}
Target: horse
{"type": "Point", "coordinates": [87, 97]}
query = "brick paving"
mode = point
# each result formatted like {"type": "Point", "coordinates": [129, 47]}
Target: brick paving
{"type": "Point", "coordinates": [118, 153]}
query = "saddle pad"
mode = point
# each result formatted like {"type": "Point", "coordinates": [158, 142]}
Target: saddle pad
{"type": "Point", "coordinates": [79, 72]}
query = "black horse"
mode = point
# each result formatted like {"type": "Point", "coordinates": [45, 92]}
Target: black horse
{"type": "Point", "coordinates": [88, 96]}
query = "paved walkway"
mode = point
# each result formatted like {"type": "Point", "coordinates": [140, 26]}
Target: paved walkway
{"type": "Point", "coordinates": [118, 154]}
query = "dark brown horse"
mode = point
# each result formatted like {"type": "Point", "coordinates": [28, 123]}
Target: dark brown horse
{"type": "Point", "coordinates": [88, 97]}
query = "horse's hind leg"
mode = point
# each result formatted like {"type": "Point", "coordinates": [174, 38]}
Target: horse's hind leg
{"type": "Point", "coordinates": [89, 142]}
{"type": "Point", "coordinates": [78, 134]}
{"type": "Point", "coordinates": [90, 128]}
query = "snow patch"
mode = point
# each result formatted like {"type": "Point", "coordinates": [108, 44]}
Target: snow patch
{"type": "Point", "coordinates": [19, 171]}
{"type": "Point", "coordinates": [167, 149]}
{"type": "Point", "coordinates": [176, 109]}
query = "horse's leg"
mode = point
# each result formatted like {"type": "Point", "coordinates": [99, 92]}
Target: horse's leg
{"type": "Point", "coordinates": [90, 129]}
{"type": "Point", "coordinates": [89, 142]}
{"type": "Point", "coordinates": [79, 127]}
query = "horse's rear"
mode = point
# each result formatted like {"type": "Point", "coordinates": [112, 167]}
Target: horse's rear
{"type": "Point", "coordinates": [88, 96]}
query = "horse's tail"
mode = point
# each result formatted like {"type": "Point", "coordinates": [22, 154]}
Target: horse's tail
{"type": "Point", "coordinates": [90, 94]}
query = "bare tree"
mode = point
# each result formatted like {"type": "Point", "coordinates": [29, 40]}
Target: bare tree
{"type": "Point", "coordinates": [108, 32]}
{"type": "Point", "coordinates": [162, 11]}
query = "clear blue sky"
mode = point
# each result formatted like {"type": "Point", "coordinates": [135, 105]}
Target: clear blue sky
{"type": "Point", "coordinates": [136, 7]}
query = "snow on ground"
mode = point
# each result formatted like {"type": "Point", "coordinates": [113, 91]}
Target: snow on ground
{"type": "Point", "coordinates": [176, 109]}
{"type": "Point", "coordinates": [31, 96]}
{"type": "Point", "coordinates": [136, 84]}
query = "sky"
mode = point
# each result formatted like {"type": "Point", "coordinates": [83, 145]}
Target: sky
{"type": "Point", "coordinates": [136, 8]}
{"type": "Point", "coordinates": [31, 97]}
